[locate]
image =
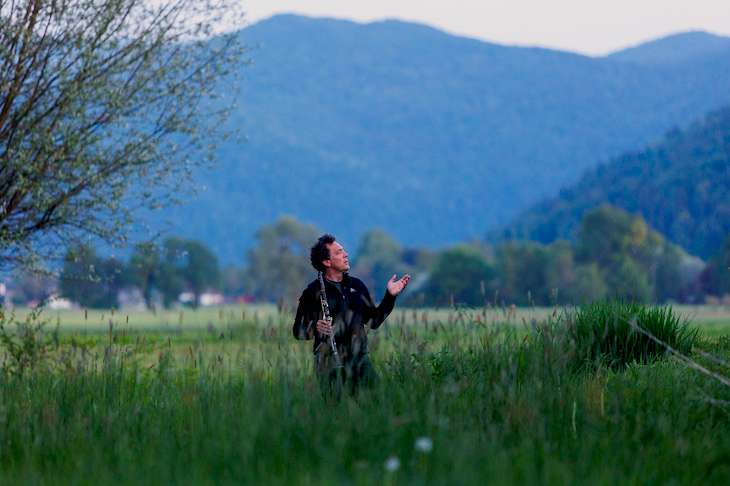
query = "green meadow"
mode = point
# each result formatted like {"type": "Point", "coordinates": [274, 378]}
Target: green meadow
{"type": "Point", "coordinates": [610, 393]}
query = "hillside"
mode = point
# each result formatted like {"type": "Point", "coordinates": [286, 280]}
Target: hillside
{"type": "Point", "coordinates": [680, 185]}
{"type": "Point", "coordinates": [687, 47]}
{"type": "Point", "coordinates": [434, 138]}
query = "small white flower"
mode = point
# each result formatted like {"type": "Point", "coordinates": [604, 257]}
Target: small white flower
{"type": "Point", "coordinates": [423, 444]}
{"type": "Point", "coordinates": [391, 464]}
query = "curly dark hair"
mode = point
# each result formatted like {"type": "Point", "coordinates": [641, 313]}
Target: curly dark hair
{"type": "Point", "coordinates": [320, 252]}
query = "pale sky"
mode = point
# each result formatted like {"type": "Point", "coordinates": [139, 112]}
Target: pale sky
{"type": "Point", "coordinates": [592, 27]}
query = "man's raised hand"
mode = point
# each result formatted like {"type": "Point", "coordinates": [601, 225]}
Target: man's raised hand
{"type": "Point", "coordinates": [395, 287]}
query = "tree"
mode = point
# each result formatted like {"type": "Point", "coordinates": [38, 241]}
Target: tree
{"type": "Point", "coordinates": [669, 282]}
{"type": "Point", "coordinates": [144, 270]}
{"type": "Point", "coordinates": [188, 265]}
{"type": "Point", "coordinates": [561, 272]}
{"type": "Point", "coordinates": [32, 288]}
{"type": "Point", "coordinates": [279, 266]}
{"type": "Point", "coordinates": [89, 280]}
{"type": "Point", "coordinates": [629, 281]}
{"type": "Point", "coordinates": [722, 265]}
{"type": "Point", "coordinates": [522, 269]}
{"type": "Point", "coordinates": [530, 272]}
{"type": "Point", "coordinates": [379, 256]}
{"type": "Point", "coordinates": [459, 273]}
{"type": "Point", "coordinates": [171, 283]}
{"type": "Point", "coordinates": [603, 236]}
{"type": "Point", "coordinates": [716, 278]}
{"type": "Point", "coordinates": [634, 261]}
{"type": "Point", "coordinates": [590, 284]}
{"type": "Point", "coordinates": [105, 107]}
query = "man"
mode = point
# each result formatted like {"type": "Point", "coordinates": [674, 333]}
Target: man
{"type": "Point", "coordinates": [352, 311]}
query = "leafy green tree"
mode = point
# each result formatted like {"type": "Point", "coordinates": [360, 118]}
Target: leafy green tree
{"type": "Point", "coordinates": [462, 273]}
{"type": "Point", "coordinates": [530, 272]}
{"type": "Point", "coordinates": [188, 265]}
{"type": "Point", "coordinates": [603, 236]}
{"type": "Point", "coordinates": [171, 283]}
{"type": "Point", "coordinates": [379, 256]}
{"type": "Point", "coordinates": [106, 107]}
{"type": "Point", "coordinates": [716, 277]}
{"type": "Point", "coordinates": [523, 272]}
{"type": "Point", "coordinates": [144, 269]}
{"type": "Point", "coordinates": [634, 261]}
{"type": "Point", "coordinates": [722, 266]}
{"type": "Point", "coordinates": [629, 281]}
{"type": "Point", "coordinates": [560, 270]}
{"type": "Point", "coordinates": [668, 280]}
{"type": "Point", "coordinates": [590, 284]}
{"type": "Point", "coordinates": [89, 280]}
{"type": "Point", "coordinates": [279, 265]}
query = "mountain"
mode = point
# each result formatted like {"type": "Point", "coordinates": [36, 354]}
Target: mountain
{"type": "Point", "coordinates": [687, 47]}
{"type": "Point", "coordinates": [680, 185]}
{"type": "Point", "coordinates": [434, 138]}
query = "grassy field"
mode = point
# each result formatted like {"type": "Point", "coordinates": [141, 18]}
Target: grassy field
{"type": "Point", "coordinates": [467, 396]}
{"type": "Point", "coordinates": [712, 320]}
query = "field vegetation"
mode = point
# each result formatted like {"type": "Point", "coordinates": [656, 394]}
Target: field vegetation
{"type": "Point", "coordinates": [588, 395]}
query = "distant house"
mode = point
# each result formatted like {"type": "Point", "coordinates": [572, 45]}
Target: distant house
{"type": "Point", "coordinates": [58, 303]}
{"type": "Point", "coordinates": [210, 299]}
{"type": "Point", "coordinates": [206, 299]}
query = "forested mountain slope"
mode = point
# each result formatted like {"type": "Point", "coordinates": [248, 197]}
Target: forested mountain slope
{"type": "Point", "coordinates": [680, 185]}
{"type": "Point", "coordinates": [434, 138]}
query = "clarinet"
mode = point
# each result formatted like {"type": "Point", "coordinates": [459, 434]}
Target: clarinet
{"type": "Point", "coordinates": [327, 317]}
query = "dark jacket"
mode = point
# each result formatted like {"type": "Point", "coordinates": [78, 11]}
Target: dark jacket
{"type": "Point", "coordinates": [353, 313]}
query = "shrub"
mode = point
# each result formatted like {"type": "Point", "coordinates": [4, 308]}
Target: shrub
{"type": "Point", "coordinates": [605, 333]}
{"type": "Point", "coordinates": [25, 347]}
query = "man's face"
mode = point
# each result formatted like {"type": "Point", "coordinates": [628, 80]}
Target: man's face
{"type": "Point", "coordinates": [338, 258]}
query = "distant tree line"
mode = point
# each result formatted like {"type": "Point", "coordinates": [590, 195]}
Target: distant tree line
{"type": "Point", "coordinates": [159, 273]}
{"type": "Point", "coordinates": [616, 254]}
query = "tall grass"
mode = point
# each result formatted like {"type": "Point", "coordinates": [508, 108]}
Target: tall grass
{"type": "Point", "coordinates": [606, 334]}
{"type": "Point", "coordinates": [505, 408]}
